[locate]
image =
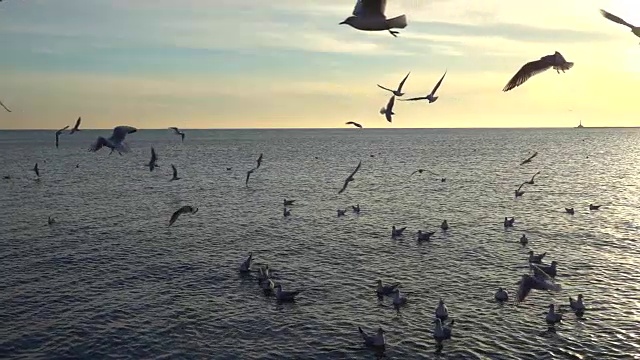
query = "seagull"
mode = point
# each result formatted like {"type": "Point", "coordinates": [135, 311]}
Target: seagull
{"type": "Point", "coordinates": [288, 202]}
{"type": "Point", "coordinates": [267, 286]}
{"type": "Point", "coordinates": [501, 295]}
{"type": "Point", "coordinates": [376, 340]}
{"type": "Point", "coordinates": [426, 236]}
{"type": "Point", "coordinates": [35, 169]}
{"type": "Point", "coordinates": [246, 182]}
{"type": "Point", "coordinates": [397, 232]}
{"type": "Point", "coordinates": [60, 132]}
{"type": "Point", "coordinates": [441, 333]}
{"type": "Point", "coordinates": [634, 29]}
{"type": "Point", "coordinates": [245, 267]}
{"type": "Point", "coordinates": [259, 161]}
{"type": "Point", "coordinates": [285, 295]}
{"type": "Point", "coordinates": [397, 92]}
{"type": "Point", "coordinates": [518, 192]}
{"type": "Point", "coordinates": [368, 15]}
{"type": "Point", "coordinates": [115, 142]}
{"type": "Point", "coordinates": [6, 108]}
{"type": "Point", "coordinates": [577, 305]}
{"type": "Point", "coordinates": [508, 222]}
{"type": "Point", "coordinates": [546, 269]}
{"type": "Point", "coordinates": [537, 259]}
{"type": "Point", "coordinates": [76, 127]}
{"type": "Point", "coordinates": [398, 299]}
{"type": "Point", "coordinates": [356, 209]}
{"type": "Point", "coordinates": [528, 283]}
{"type": "Point", "coordinates": [388, 111]}
{"type": "Point", "coordinates": [530, 182]}
{"type": "Point", "coordinates": [594, 207]}
{"type": "Point", "coordinates": [444, 226]}
{"type": "Point", "coordinates": [177, 132]}
{"type": "Point", "coordinates": [386, 289]}
{"type": "Point", "coordinates": [420, 171]}
{"type": "Point", "coordinates": [354, 124]}
{"type": "Point", "coordinates": [183, 210]}
{"type": "Point", "coordinates": [524, 240]}
{"type": "Point", "coordinates": [556, 60]}
{"type": "Point", "coordinates": [569, 211]}
{"type": "Point", "coordinates": [442, 312]}
{"type": "Point", "coordinates": [152, 163]}
{"type": "Point", "coordinates": [528, 160]}
{"type": "Point", "coordinates": [342, 212]}
{"type": "Point", "coordinates": [286, 212]}
{"type": "Point", "coordinates": [552, 316]}
{"type": "Point", "coordinates": [350, 178]}
{"type": "Point", "coordinates": [175, 173]}
{"type": "Point", "coordinates": [51, 221]}
{"type": "Point", "coordinates": [431, 97]}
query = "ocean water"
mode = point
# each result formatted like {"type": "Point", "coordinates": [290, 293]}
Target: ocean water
{"type": "Point", "coordinates": [110, 279]}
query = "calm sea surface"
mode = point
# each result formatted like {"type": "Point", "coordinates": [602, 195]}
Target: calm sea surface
{"type": "Point", "coordinates": [110, 279]}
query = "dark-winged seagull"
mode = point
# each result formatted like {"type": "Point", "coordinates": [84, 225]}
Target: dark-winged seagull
{"type": "Point", "coordinates": [259, 161]}
{"type": "Point", "coordinates": [518, 191]}
{"type": "Point", "coordinates": [285, 296]}
{"type": "Point", "coordinates": [175, 173]}
{"type": "Point", "coordinates": [609, 16]}
{"type": "Point", "coordinates": [432, 96]}
{"type": "Point", "coordinates": [246, 181]}
{"type": "Point", "coordinates": [183, 210]}
{"type": "Point", "coordinates": [594, 207]}
{"type": "Point", "coordinates": [569, 211]}
{"type": "Point", "coordinates": [116, 141]}
{"type": "Point", "coordinates": [177, 132]}
{"type": "Point", "coordinates": [388, 110]}
{"type": "Point", "coordinates": [35, 170]}
{"type": "Point", "coordinates": [441, 333]}
{"type": "Point", "coordinates": [350, 178]}
{"type": "Point", "coordinates": [397, 92]}
{"type": "Point", "coordinates": [368, 15]}
{"type": "Point", "coordinates": [528, 283]}
{"type": "Point", "coordinates": [528, 160]}
{"type": "Point", "coordinates": [154, 158]}
{"type": "Point", "coordinates": [76, 127]}
{"type": "Point", "coordinates": [58, 134]}
{"type": "Point", "coordinates": [556, 60]}
{"type": "Point", "coordinates": [375, 341]}
{"type": "Point", "coordinates": [354, 124]}
{"type": "Point", "coordinates": [6, 108]}
{"type": "Point", "coordinates": [531, 182]}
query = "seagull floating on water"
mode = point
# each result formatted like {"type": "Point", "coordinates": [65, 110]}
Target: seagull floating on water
{"type": "Point", "coordinates": [524, 240]}
{"type": "Point", "coordinates": [6, 108]}
{"type": "Point", "coordinates": [58, 134]}
{"type": "Point", "coordinates": [175, 173]}
{"type": "Point", "coordinates": [376, 340]}
{"type": "Point", "coordinates": [552, 316]}
{"type": "Point", "coordinates": [545, 269]}
{"type": "Point", "coordinates": [285, 296]}
{"type": "Point", "coordinates": [76, 127]}
{"type": "Point", "coordinates": [356, 209]}
{"type": "Point", "coordinates": [398, 299]}
{"type": "Point", "coordinates": [398, 92]}
{"type": "Point", "coordinates": [528, 160]}
{"type": "Point", "coordinates": [442, 312]}
{"type": "Point", "coordinates": [116, 141]}
{"type": "Point", "coordinates": [154, 158]}
{"type": "Point", "coordinates": [350, 178]}
{"type": "Point", "coordinates": [342, 212]}
{"type": "Point", "coordinates": [594, 207]}
{"type": "Point", "coordinates": [183, 210]}
{"type": "Point", "coordinates": [426, 236]}
{"type": "Point", "coordinates": [288, 202]}
{"type": "Point", "coordinates": [177, 132]}
{"type": "Point", "coordinates": [432, 96]}
{"type": "Point", "coordinates": [354, 124]}
{"type": "Point", "coordinates": [501, 295]}
{"type": "Point", "coordinates": [557, 61]}
{"type": "Point", "coordinates": [441, 333]}
{"type": "Point", "coordinates": [577, 305]}
{"type": "Point", "coordinates": [386, 289]}
{"type": "Point", "coordinates": [368, 15]}
{"type": "Point", "coordinates": [388, 111]}
{"type": "Point", "coordinates": [536, 259]}
{"type": "Point", "coordinates": [634, 29]}
{"type": "Point", "coordinates": [444, 226]}
{"type": "Point", "coordinates": [245, 267]}
{"type": "Point", "coordinates": [397, 232]}
{"type": "Point", "coordinates": [569, 211]}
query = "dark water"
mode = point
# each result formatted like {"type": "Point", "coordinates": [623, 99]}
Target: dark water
{"type": "Point", "coordinates": [111, 279]}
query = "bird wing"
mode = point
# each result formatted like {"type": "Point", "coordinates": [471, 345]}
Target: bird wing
{"type": "Point", "coordinates": [382, 87]}
{"type": "Point", "coordinates": [610, 16]}
{"type": "Point", "coordinates": [120, 132]}
{"type": "Point", "coordinates": [98, 144]}
{"type": "Point", "coordinates": [6, 108]}
{"type": "Point", "coordinates": [63, 129]}
{"type": "Point", "coordinates": [414, 99]}
{"type": "Point", "coordinates": [528, 70]}
{"type": "Point", "coordinates": [248, 174]}
{"type": "Point", "coordinates": [175, 130]}
{"type": "Point", "coordinates": [176, 215]}
{"type": "Point", "coordinates": [367, 8]}
{"type": "Point", "coordinates": [392, 100]}
{"type": "Point", "coordinates": [521, 185]}
{"type": "Point", "coordinates": [526, 284]}
{"type": "Point", "coordinates": [175, 171]}
{"type": "Point", "coordinates": [35, 169]}
{"type": "Point", "coordinates": [344, 187]}
{"type": "Point", "coordinates": [413, 173]}
{"type": "Point", "coordinates": [402, 82]}
{"type": "Point", "coordinates": [534, 175]}
{"type": "Point", "coordinates": [532, 156]}
{"type": "Point", "coordinates": [153, 155]}
{"type": "Point", "coordinates": [354, 124]}
{"type": "Point", "coordinates": [356, 170]}
{"type": "Point", "coordinates": [433, 92]}
{"type": "Point", "coordinates": [77, 125]}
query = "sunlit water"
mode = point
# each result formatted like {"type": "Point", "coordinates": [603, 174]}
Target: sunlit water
{"type": "Point", "coordinates": [110, 278]}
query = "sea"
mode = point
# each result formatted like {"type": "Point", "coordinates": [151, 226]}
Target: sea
{"type": "Point", "coordinates": [111, 280]}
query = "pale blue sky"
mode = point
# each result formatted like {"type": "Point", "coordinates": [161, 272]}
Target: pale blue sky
{"type": "Point", "coordinates": [287, 63]}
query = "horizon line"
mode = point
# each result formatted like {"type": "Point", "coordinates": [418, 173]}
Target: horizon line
{"type": "Point", "coordinates": [355, 129]}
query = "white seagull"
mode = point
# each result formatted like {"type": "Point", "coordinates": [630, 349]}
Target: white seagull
{"type": "Point", "coordinates": [116, 141]}
{"type": "Point", "coordinates": [556, 61]}
{"type": "Point", "coordinates": [368, 15]}
{"type": "Point", "coordinates": [177, 132]}
{"type": "Point", "coordinates": [175, 173]}
{"type": "Point", "coordinates": [397, 92]}
{"type": "Point", "coordinates": [431, 97]}
{"type": "Point", "coordinates": [388, 111]}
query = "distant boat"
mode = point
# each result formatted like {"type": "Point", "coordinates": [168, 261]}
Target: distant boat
{"type": "Point", "coordinates": [579, 125]}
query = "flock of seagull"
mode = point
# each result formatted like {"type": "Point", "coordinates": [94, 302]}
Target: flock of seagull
{"type": "Point", "coordinates": [369, 15]}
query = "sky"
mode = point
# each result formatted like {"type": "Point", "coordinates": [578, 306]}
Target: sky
{"type": "Point", "coordinates": [289, 64]}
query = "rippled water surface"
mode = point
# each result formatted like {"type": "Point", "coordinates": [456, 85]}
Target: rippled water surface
{"type": "Point", "coordinates": [111, 279]}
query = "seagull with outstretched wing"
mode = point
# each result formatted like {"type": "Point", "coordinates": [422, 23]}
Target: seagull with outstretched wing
{"type": "Point", "coordinates": [183, 210]}
{"type": "Point", "coordinates": [58, 134]}
{"type": "Point", "coordinates": [76, 127]}
{"type": "Point", "coordinates": [432, 96]}
{"type": "Point", "coordinates": [398, 92]}
{"type": "Point", "coordinates": [528, 160]}
{"type": "Point", "coordinates": [116, 141]}
{"type": "Point", "coordinates": [388, 110]}
{"type": "Point", "coordinates": [556, 61]}
{"type": "Point", "coordinates": [368, 15]}
{"type": "Point", "coordinates": [350, 178]}
{"type": "Point", "coordinates": [177, 132]}
{"type": "Point", "coordinates": [354, 124]}
{"type": "Point", "coordinates": [609, 16]}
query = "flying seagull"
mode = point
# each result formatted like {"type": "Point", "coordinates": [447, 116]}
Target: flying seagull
{"type": "Point", "coordinates": [528, 160]}
{"type": "Point", "coordinates": [177, 132]}
{"type": "Point", "coordinates": [350, 178]}
{"type": "Point", "coordinates": [537, 282]}
{"type": "Point", "coordinates": [368, 15]}
{"type": "Point", "coordinates": [388, 111]}
{"type": "Point", "coordinates": [259, 161]}
{"type": "Point", "coordinates": [154, 158]}
{"type": "Point", "coordinates": [183, 210]}
{"type": "Point", "coordinates": [634, 29]}
{"type": "Point", "coordinates": [354, 124]}
{"type": "Point", "coordinates": [556, 61]}
{"type": "Point", "coordinates": [76, 127]}
{"type": "Point", "coordinates": [420, 171]}
{"type": "Point", "coordinates": [175, 173]}
{"type": "Point", "coordinates": [518, 192]}
{"type": "Point", "coordinates": [6, 108]}
{"type": "Point", "coordinates": [60, 132]}
{"type": "Point", "coordinates": [531, 182]}
{"type": "Point", "coordinates": [35, 169]}
{"type": "Point", "coordinates": [397, 92]}
{"type": "Point", "coordinates": [246, 182]}
{"type": "Point", "coordinates": [431, 97]}
{"type": "Point", "coordinates": [115, 142]}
